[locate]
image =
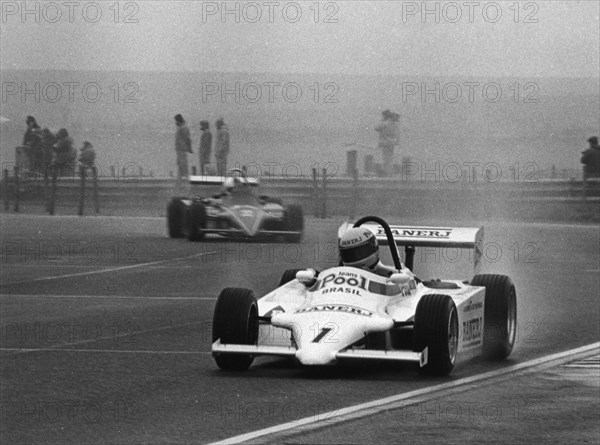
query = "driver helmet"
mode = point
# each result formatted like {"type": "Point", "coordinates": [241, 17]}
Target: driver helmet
{"type": "Point", "coordinates": [228, 184]}
{"type": "Point", "coordinates": [359, 248]}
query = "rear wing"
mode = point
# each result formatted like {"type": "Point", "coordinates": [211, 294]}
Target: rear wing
{"type": "Point", "coordinates": [421, 236]}
{"type": "Point", "coordinates": [216, 180]}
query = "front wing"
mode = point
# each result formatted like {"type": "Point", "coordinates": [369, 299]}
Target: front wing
{"type": "Point", "coordinates": [289, 351]}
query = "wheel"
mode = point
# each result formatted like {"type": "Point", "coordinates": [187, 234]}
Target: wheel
{"type": "Point", "coordinates": [436, 327]}
{"type": "Point", "coordinates": [294, 221]}
{"type": "Point", "coordinates": [196, 221]}
{"type": "Point", "coordinates": [175, 211]}
{"type": "Point", "coordinates": [235, 321]}
{"type": "Point", "coordinates": [500, 315]}
{"type": "Point", "coordinates": [288, 276]}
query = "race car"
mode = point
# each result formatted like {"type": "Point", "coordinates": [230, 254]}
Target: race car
{"type": "Point", "coordinates": [236, 212]}
{"type": "Point", "coordinates": [348, 313]}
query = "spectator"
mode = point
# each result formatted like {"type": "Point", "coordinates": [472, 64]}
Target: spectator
{"type": "Point", "coordinates": [388, 139]}
{"type": "Point", "coordinates": [32, 144]}
{"type": "Point", "coordinates": [47, 145]}
{"type": "Point", "coordinates": [87, 155]}
{"type": "Point", "coordinates": [590, 159]}
{"type": "Point", "coordinates": [32, 135]}
{"type": "Point", "coordinates": [183, 146]}
{"type": "Point", "coordinates": [64, 152]}
{"type": "Point", "coordinates": [205, 146]}
{"type": "Point", "coordinates": [222, 146]}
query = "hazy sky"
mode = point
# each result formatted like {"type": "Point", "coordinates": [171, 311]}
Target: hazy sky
{"type": "Point", "coordinates": [479, 38]}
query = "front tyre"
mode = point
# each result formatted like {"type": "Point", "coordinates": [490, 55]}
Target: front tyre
{"type": "Point", "coordinates": [196, 221]}
{"type": "Point", "coordinates": [500, 315]}
{"type": "Point", "coordinates": [235, 321]}
{"type": "Point", "coordinates": [175, 213]}
{"type": "Point", "coordinates": [436, 328]}
{"type": "Point", "coordinates": [294, 222]}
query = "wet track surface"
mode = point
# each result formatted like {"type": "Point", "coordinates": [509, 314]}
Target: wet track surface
{"type": "Point", "coordinates": [106, 327]}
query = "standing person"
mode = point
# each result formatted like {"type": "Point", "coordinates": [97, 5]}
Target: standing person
{"type": "Point", "coordinates": [32, 144]}
{"type": "Point", "coordinates": [183, 146]}
{"type": "Point", "coordinates": [87, 155]}
{"type": "Point", "coordinates": [590, 159]}
{"type": "Point", "coordinates": [205, 146]}
{"type": "Point", "coordinates": [64, 152]}
{"type": "Point", "coordinates": [222, 146]}
{"type": "Point", "coordinates": [388, 139]}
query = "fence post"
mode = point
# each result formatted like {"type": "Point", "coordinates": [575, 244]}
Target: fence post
{"type": "Point", "coordinates": [355, 193]}
{"type": "Point", "coordinates": [95, 176]}
{"type": "Point", "coordinates": [324, 199]}
{"type": "Point", "coordinates": [6, 190]}
{"type": "Point", "coordinates": [17, 188]}
{"type": "Point", "coordinates": [82, 174]}
{"type": "Point", "coordinates": [53, 189]}
{"type": "Point", "coordinates": [315, 192]}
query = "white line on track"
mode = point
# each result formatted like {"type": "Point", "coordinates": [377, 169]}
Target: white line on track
{"type": "Point", "coordinates": [94, 340]}
{"type": "Point", "coordinates": [101, 351]}
{"type": "Point", "coordinates": [109, 297]}
{"type": "Point", "coordinates": [399, 400]}
{"type": "Point", "coordinates": [110, 269]}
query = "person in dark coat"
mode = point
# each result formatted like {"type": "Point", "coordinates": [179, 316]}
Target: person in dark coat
{"type": "Point", "coordinates": [64, 152]}
{"type": "Point", "coordinates": [32, 144]}
{"type": "Point", "coordinates": [590, 159]}
{"type": "Point", "coordinates": [183, 146]}
{"type": "Point", "coordinates": [205, 146]}
{"type": "Point", "coordinates": [222, 146]}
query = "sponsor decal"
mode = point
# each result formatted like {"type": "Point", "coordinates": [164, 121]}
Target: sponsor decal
{"type": "Point", "coordinates": [336, 308]}
{"type": "Point", "coordinates": [343, 278]}
{"type": "Point", "coordinates": [354, 241]}
{"type": "Point", "coordinates": [418, 233]}
{"type": "Point", "coordinates": [472, 306]}
{"type": "Point", "coordinates": [471, 330]}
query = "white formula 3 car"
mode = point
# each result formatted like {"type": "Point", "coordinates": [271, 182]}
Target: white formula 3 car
{"type": "Point", "coordinates": [347, 313]}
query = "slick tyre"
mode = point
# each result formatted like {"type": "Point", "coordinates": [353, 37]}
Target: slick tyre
{"type": "Point", "coordinates": [294, 222]}
{"type": "Point", "coordinates": [235, 321]}
{"type": "Point", "coordinates": [196, 221]}
{"type": "Point", "coordinates": [288, 276]}
{"type": "Point", "coordinates": [500, 315]}
{"type": "Point", "coordinates": [175, 211]}
{"type": "Point", "coordinates": [436, 328]}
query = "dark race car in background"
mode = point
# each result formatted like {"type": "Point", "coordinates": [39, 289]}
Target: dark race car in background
{"type": "Point", "coordinates": [237, 212]}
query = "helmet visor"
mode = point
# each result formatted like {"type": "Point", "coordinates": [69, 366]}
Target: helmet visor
{"type": "Point", "coordinates": [355, 254]}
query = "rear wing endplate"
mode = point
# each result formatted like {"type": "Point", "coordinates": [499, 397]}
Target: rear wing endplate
{"type": "Point", "coordinates": [216, 180]}
{"type": "Point", "coordinates": [422, 236]}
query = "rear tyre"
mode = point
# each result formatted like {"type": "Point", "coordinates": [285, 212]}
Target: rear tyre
{"type": "Point", "coordinates": [294, 222]}
{"type": "Point", "coordinates": [196, 221]}
{"type": "Point", "coordinates": [175, 211]}
{"type": "Point", "coordinates": [288, 276]}
{"type": "Point", "coordinates": [500, 315]}
{"type": "Point", "coordinates": [235, 321]}
{"type": "Point", "coordinates": [436, 328]}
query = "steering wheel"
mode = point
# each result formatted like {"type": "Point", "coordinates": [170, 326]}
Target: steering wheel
{"type": "Point", "coordinates": [388, 234]}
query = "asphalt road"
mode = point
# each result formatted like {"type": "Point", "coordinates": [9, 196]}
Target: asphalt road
{"type": "Point", "coordinates": [106, 326]}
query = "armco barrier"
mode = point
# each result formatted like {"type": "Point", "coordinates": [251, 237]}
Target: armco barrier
{"type": "Point", "coordinates": [348, 197]}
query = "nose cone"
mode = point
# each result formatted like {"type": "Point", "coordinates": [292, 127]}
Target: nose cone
{"type": "Point", "coordinates": [316, 354]}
